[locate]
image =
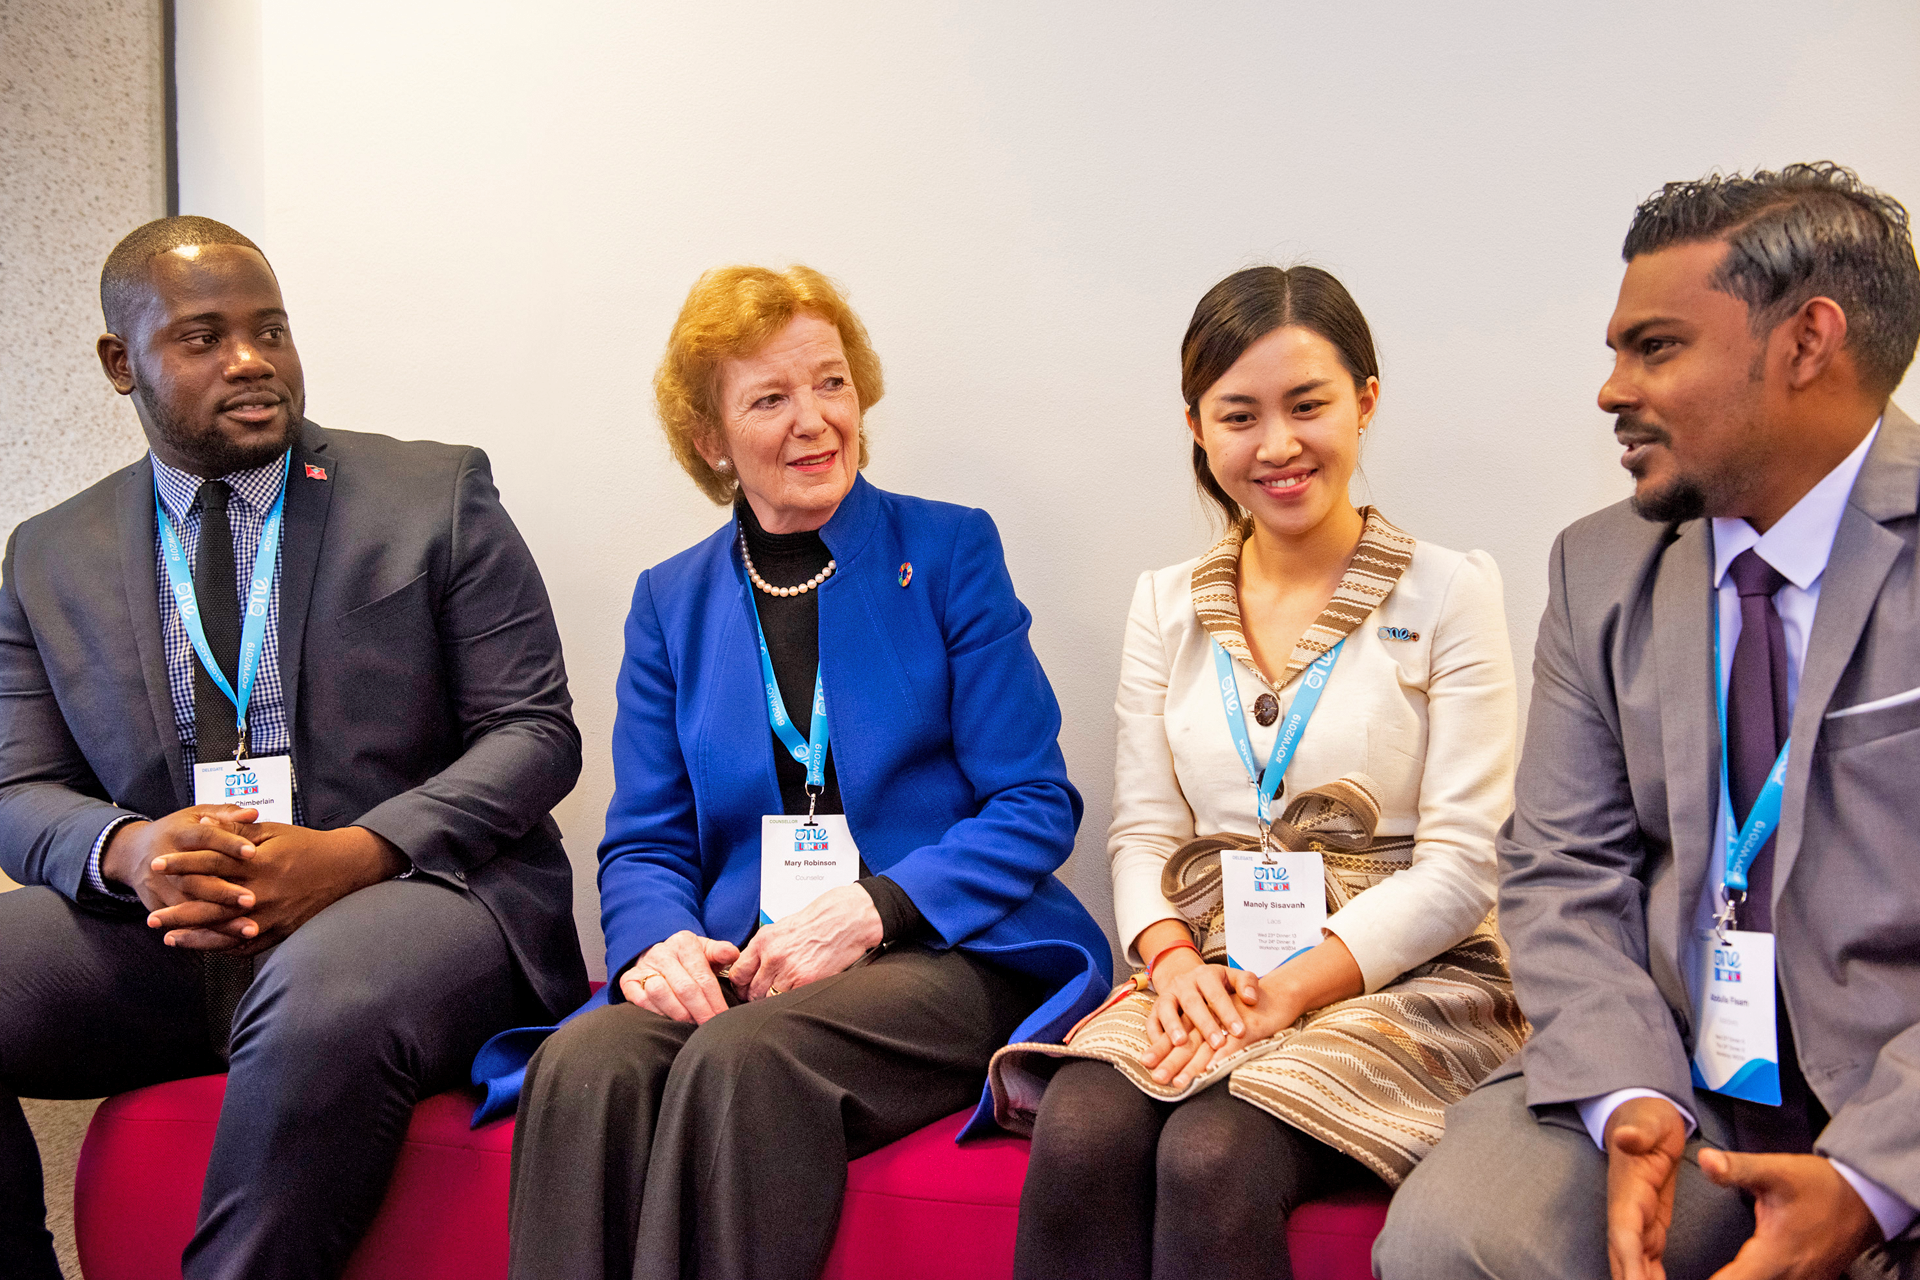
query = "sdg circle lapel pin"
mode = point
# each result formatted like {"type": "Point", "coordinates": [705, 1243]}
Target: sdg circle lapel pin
{"type": "Point", "coordinates": [906, 573]}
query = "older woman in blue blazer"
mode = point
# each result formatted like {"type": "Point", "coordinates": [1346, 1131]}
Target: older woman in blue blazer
{"type": "Point", "coordinates": [839, 662]}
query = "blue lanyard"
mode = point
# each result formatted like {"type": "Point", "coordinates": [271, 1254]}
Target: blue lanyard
{"type": "Point", "coordinates": [253, 632]}
{"type": "Point", "coordinates": [1743, 846]}
{"type": "Point", "coordinates": [811, 750]}
{"type": "Point", "coordinates": [1313, 682]}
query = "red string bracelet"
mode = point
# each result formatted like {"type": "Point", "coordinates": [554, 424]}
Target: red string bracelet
{"type": "Point", "coordinates": [1166, 951]}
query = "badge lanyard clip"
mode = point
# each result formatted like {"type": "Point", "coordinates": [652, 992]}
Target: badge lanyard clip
{"type": "Point", "coordinates": [1266, 783]}
{"type": "Point", "coordinates": [811, 750]}
{"type": "Point", "coordinates": [253, 631]}
{"type": "Point", "coordinates": [1744, 842]}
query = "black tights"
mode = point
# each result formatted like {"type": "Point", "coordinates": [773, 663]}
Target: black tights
{"type": "Point", "coordinates": [1122, 1185]}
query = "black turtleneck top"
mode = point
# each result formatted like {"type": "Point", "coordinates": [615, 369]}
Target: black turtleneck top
{"type": "Point", "coordinates": [792, 624]}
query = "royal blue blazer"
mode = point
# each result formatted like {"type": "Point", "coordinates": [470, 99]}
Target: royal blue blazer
{"type": "Point", "coordinates": [945, 743]}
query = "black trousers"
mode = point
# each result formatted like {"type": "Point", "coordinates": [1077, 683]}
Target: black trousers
{"type": "Point", "coordinates": [379, 1000]}
{"type": "Point", "coordinates": [1125, 1187]}
{"type": "Point", "coordinates": [651, 1148]}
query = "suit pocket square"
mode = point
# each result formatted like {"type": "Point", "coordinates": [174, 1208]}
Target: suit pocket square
{"type": "Point", "coordinates": [1878, 704]}
{"type": "Point", "coordinates": [1865, 723]}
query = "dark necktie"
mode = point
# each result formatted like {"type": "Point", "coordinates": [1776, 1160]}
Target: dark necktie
{"type": "Point", "coordinates": [1758, 722]}
{"type": "Point", "coordinates": [227, 977]}
{"type": "Point", "coordinates": [213, 589]}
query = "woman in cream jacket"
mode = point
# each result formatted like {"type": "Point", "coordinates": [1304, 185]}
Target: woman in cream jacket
{"type": "Point", "coordinates": [1280, 380]}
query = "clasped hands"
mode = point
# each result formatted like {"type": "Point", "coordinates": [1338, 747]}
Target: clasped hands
{"type": "Point", "coordinates": [214, 878]}
{"type": "Point", "coordinates": [1809, 1223]}
{"type": "Point", "coordinates": [680, 977]}
{"type": "Point", "coordinates": [1208, 1011]}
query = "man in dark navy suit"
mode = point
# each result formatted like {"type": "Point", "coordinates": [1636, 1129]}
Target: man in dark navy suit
{"type": "Point", "coordinates": [282, 718]}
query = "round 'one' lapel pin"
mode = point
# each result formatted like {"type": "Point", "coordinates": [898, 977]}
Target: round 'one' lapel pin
{"type": "Point", "coordinates": [906, 573]}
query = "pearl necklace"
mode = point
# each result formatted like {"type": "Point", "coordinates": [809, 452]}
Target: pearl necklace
{"type": "Point", "coordinates": [762, 584]}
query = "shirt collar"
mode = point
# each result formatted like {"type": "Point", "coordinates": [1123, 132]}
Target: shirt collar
{"type": "Point", "coordinates": [257, 487]}
{"type": "Point", "coordinates": [1799, 543]}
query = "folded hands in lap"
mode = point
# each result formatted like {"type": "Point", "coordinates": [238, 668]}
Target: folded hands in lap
{"type": "Point", "coordinates": [1208, 1011]}
{"type": "Point", "coordinates": [214, 879]}
{"type": "Point", "coordinates": [676, 978]}
{"type": "Point", "coordinates": [1809, 1223]}
{"type": "Point", "coordinates": [680, 979]}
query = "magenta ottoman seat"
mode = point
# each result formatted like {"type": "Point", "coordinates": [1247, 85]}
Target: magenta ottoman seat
{"type": "Point", "coordinates": [926, 1208]}
{"type": "Point", "coordinates": [137, 1190]}
{"type": "Point", "coordinates": [921, 1207]}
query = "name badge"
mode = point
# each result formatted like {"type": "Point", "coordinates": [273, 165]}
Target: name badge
{"type": "Point", "coordinates": [802, 858]}
{"type": "Point", "coordinates": [259, 782]}
{"type": "Point", "coordinates": [1737, 1048]}
{"type": "Point", "coordinates": [1274, 909]}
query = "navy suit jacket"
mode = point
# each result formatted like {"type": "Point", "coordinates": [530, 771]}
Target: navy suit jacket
{"type": "Point", "coordinates": [945, 742]}
{"type": "Point", "coordinates": [424, 687]}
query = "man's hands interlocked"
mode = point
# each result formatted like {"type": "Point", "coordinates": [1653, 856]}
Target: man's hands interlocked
{"type": "Point", "coordinates": [1809, 1223]}
{"type": "Point", "coordinates": [214, 878]}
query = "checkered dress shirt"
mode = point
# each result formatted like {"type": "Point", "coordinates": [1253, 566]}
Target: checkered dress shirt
{"type": "Point", "coordinates": [254, 493]}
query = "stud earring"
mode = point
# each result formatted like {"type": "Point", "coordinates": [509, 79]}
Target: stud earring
{"type": "Point", "coordinates": [724, 466]}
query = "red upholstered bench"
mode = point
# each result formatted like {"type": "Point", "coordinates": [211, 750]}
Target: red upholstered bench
{"type": "Point", "coordinates": [951, 1211]}
{"type": "Point", "coordinates": [921, 1207]}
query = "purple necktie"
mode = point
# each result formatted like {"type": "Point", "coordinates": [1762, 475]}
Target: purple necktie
{"type": "Point", "coordinates": [1758, 720]}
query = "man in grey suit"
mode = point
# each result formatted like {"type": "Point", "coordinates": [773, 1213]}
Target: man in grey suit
{"type": "Point", "coordinates": [282, 717]}
{"type": "Point", "coordinates": [1762, 325]}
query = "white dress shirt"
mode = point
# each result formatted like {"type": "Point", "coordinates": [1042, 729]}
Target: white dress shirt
{"type": "Point", "coordinates": [1798, 545]}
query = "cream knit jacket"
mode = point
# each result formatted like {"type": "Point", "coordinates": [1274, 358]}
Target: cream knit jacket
{"type": "Point", "coordinates": [1422, 699]}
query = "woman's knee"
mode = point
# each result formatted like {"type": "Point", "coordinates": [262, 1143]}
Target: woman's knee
{"type": "Point", "coordinates": [620, 1045]}
{"type": "Point", "coordinates": [1216, 1150]}
{"type": "Point", "coordinates": [1195, 1167]}
{"type": "Point", "coordinates": [755, 1043]}
{"type": "Point", "coordinates": [1094, 1126]}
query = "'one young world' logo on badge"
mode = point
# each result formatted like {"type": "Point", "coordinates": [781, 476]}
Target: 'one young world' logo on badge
{"type": "Point", "coordinates": [809, 839]}
{"type": "Point", "coordinates": [244, 783]}
{"type": "Point", "coordinates": [1726, 965]}
{"type": "Point", "coordinates": [1270, 880]}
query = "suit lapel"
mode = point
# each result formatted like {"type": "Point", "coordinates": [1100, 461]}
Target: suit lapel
{"type": "Point", "coordinates": [310, 482]}
{"type": "Point", "coordinates": [1683, 638]}
{"type": "Point", "coordinates": [1864, 552]}
{"type": "Point", "coordinates": [140, 580]}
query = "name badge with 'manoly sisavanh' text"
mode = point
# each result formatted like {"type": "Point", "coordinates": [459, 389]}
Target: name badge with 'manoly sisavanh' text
{"type": "Point", "coordinates": [1276, 903]}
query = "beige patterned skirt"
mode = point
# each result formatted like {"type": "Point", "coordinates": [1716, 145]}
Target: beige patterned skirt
{"type": "Point", "coordinates": [1370, 1076]}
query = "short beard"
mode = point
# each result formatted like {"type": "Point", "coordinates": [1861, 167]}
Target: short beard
{"type": "Point", "coordinates": [1684, 497]}
{"type": "Point", "coordinates": [1679, 502]}
{"type": "Point", "coordinates": [213, 452]}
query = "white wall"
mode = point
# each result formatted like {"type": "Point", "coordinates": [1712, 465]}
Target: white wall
{"type": "Point", "coordinates": [486, 215]}
{"type": "Point", "coordinates": [219, 63]}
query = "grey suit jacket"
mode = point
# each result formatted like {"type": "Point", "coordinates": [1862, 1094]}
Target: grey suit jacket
{"type": "Point", "coordinates": [421, 664]}
{"type": "Point", "coordinates": [1606, 855]}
